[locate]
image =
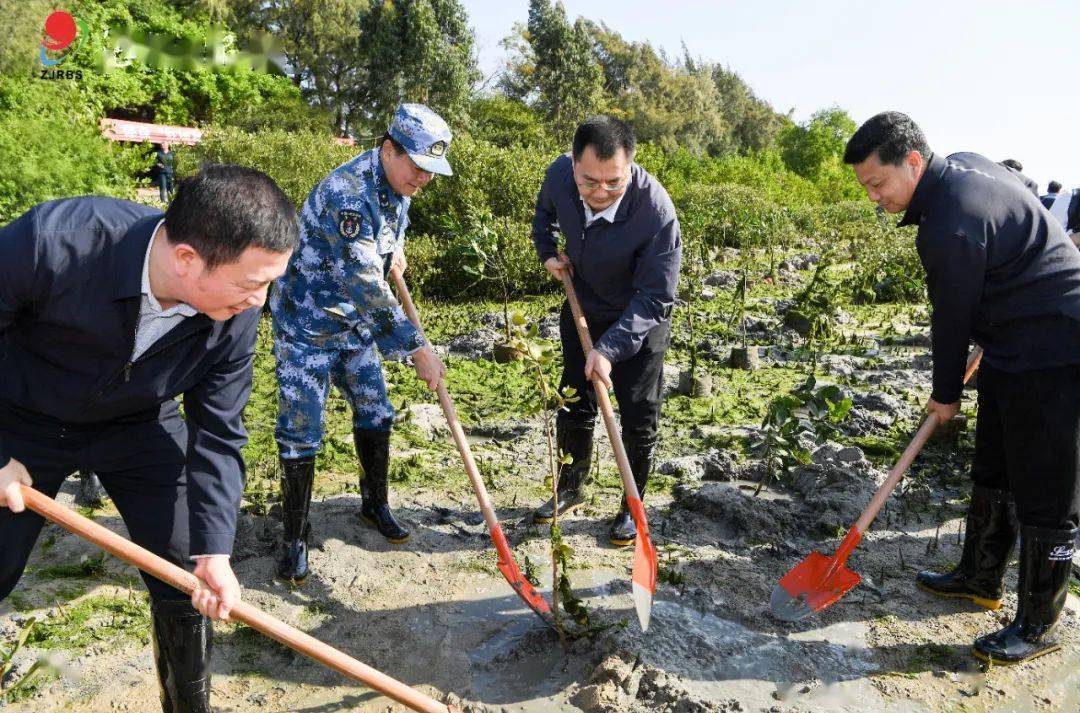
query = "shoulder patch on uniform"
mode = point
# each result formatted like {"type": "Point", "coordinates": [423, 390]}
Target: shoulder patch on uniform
{"type": "Point", "coordinates": [349, 223]}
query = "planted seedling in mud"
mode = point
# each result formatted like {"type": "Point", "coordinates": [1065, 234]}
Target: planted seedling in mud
{"type": "Point", "coordinates": [814, 311]}
{"type": "Point", "coordinates": [691, 382]}
{"type": "Point", "coordinates": [804, 411]}
{"type": "Point", "coordinates": [671, 556]}
{"type": "Point", "coordinates": [24, 684]}
{"type": "Point", "coordinates": [484, 257]}
{"type": "Point", "coordinates": [740, 356]}
{"type": "Point", "coordinates": [768, 226]}
{"type": "Point", "coordinates": [538, 356]}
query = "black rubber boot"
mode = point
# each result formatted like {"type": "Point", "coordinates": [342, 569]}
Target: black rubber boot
{"type": "Point", "coordinates": [91, 493]}
{"type": "Point", "coordinates": [988, 544]}
{"type": "Point", "coordinates": [1045, 564]}
{"type": "Point", "coordinates": [182, 642]}
{"type": "Point", "coordinates": [373, 448]}
{"type": "Point", "coordinates": [623, 532]}
{"type": "Point", "coordinates": [575, 439]}
{"type": "Point", "coordinates": [297, 480]}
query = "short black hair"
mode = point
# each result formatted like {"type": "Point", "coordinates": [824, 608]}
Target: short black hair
{"type": "Point", "coordinates": [1054, 187]}
{"type": "Point", "coordinates": [225, 209]}
{"type": "Point", "coordinates": [891, 134]}
{"type": "Point", "coordinates": [1013, 164]}
{"type": "Point", "coordinates": [398, 148]}
{"type": "Point", "coordinates": [606, 135]}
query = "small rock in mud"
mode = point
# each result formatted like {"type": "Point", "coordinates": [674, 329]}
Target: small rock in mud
{"type": "Point", "coordinates": [759, 326]}
{"type": "Point", "coordinates": [914, 339]}
{"type": "Point", "coordinates": [739, 514]}
{"type": "Point", "coordinates": [875, 411]}
{"type": "Point", "coordinates": [547, 327]}
{"type": "Point", "coordinates": [670, 379]}
{"type": "Point", "coordinates": [616, 668]}
{"type": "Point", "coordinates": [664, 693]}
{"type": "Point", "coordinates": [837, 491]}
{"type": "Point", "coordinates": [833, 453]}
{"type": "Point", "coordinates": [477, 344]}
{"type": "Point", "coordinates": [723, 278]}
{"type": "Point", "coordinates": [713, 464]}
{"type": "Point", "coordinates": [429, 419]}
{"type": "Point", "coordinates": [599, 698]}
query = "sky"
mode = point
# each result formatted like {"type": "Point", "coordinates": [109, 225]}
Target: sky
{"type": "Point", "coordinates": [998, 77]}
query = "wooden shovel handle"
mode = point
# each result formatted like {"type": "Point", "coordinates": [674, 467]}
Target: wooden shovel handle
{"type": "Point", "coordinates": [601, 393]}
{"type": "Point", "coordinates": [255, 618]}
{"type": "Point", "coordinates": [906, 458]}
{"type": "Point", "coordinates": [450, 412]}
{"type": "Point", "coordinates": [506, 565]}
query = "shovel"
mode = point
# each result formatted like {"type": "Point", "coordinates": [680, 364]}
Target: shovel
{"type": "Point", "coordinates": [506, 563]}
{"type": "Point", "coordinates": [819, 581]}
{"type": "Point", "coordinates": [255, 618]}
{"type": "Point", "coordinates": [643, 574]}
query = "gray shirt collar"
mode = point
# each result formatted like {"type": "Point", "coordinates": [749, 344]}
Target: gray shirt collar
{"type": "Point", "coordinates": [151, 302]}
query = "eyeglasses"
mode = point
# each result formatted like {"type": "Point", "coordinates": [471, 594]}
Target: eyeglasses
{"type": "Point", "coordinates": [609, 186]}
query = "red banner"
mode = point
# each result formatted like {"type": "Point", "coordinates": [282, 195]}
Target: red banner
{"type": "Point", "coordinates": [121, 130]}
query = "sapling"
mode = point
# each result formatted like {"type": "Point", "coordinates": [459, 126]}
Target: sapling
{"type": "Point", "coordinates": [538, 355]}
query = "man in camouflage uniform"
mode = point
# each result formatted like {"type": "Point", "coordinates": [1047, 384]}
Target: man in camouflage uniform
{"type": "Point", "coordinates": [333, 307]}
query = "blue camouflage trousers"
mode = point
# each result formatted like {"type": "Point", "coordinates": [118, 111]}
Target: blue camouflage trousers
{"type": "Point", "coordinates": [306, 371]}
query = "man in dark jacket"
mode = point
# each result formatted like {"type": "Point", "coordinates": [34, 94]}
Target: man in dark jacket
{"type": "Point", "coordinates": [1017, 169]}
{"type": "Point", "coordinates": [164, 161]}
{"type": "Point", "coordinates": [108, 311]}
{"type": "Point", "coordinates": [999, 270]}
{"type": "Point", "coordinates": [1052, 190]}
{"type": "Point", "coordinates": [623, 249]}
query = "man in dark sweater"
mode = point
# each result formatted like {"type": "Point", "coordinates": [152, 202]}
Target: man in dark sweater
{"type": "Point", "coordinates": [623, 249]}
{"type": "Point", "coordinates": [109, 310]}
{"type": "Point", "coordinates": [999, 271]}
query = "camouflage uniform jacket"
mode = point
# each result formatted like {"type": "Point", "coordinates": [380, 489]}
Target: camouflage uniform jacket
{"type": "Point", "coordinates": [334, 286]}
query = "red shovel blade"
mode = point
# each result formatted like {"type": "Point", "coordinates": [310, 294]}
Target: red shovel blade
{"type": "Point", "coordinates": [810, 586]}
{"type": "Point", "coordinates": [517, 580]}
{"type": "Point", "coordinates": [643, 575]}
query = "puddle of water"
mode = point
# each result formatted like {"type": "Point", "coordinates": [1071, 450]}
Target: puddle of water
{"type": "Point", "coordinates": [721, 659]}
{"type": "Point", "coordinates": [513, 660]}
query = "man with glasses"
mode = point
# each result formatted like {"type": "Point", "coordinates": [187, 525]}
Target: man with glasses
{"type": "Point", "coordinates": [622, 247]}
{"type": "Point", "coordinates": [333, 307]}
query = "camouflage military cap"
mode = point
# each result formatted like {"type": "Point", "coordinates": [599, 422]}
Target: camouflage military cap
{"type": "Point", "coordinates": [425, 136]}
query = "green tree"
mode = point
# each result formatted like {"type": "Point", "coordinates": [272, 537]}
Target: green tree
{"type": "Point", "coordinates": [22, 23]}
{"type": "Point", "coordinates": [752, 123]}
{"type": "Point", "coordinates": [815, 150]}
{"type": "Point", "coordinates": [567, 75]}
{"type": "Point", "coordinates": [359, 58]}
{"type": "Point", "coordinates": [671, 105]}
{"type": "Point", "coordinates": [507, 122]}
{"type": "Point", "coordinates": [415, 50]}
{"type": "Point", "coordinates": [136, 90]}
{"type": "Point", "coordinates": [52, 147]}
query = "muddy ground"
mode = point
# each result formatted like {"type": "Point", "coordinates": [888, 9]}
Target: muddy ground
{"type": "Point", "coordinates": [436, 614]}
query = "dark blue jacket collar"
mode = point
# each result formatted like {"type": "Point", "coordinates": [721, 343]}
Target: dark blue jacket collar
{"type": "Point", "coordinates": [920, 199]}
{"type": "Point", "coordinates": [131, 253]}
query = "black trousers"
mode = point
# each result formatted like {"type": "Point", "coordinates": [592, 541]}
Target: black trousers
{"type": "Point", "coordinates": [637, 381]}
{"type": "Point", "coordinates": [141, 465]}
{"type": "Point", "coordinates": [1027, 441]}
